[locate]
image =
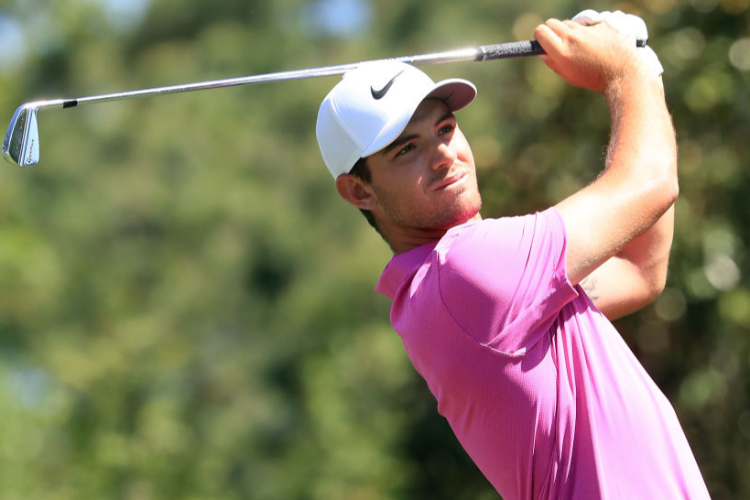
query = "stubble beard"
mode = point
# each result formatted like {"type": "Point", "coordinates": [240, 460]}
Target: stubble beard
{"type": "Point", "coordinates": [455, 212]}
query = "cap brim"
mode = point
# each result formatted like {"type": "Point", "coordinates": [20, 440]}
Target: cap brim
{"type": "Point", "coordinates": [456, 93]}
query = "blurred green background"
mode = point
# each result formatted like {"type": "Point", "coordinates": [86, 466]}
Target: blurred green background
{"type": "Point", "coordinates": [187, 307]}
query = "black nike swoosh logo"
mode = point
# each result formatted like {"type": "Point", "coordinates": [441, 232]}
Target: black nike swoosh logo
{"type": "Point", "coordinates": [379, 94]}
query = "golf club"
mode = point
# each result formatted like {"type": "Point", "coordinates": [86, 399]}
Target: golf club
{"type": "Point", "coordinates": [21, 144]}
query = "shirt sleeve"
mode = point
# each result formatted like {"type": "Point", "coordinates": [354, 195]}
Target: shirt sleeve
{"type": "Point", "coordinates": [504, 280]}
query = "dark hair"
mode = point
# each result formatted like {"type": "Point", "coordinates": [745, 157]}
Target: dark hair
{"type": "Point", "coordinates": [361, 171]}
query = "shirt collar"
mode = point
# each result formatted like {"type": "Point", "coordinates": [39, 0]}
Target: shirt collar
{"type": "Point", "coordinates": [402, 267]}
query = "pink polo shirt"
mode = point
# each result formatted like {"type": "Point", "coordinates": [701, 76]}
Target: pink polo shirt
{"type": "Point", "coordinates": [537, 385]}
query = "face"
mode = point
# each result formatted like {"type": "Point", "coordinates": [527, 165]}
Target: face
{"type": "Point", "coordinates": [425, 181]}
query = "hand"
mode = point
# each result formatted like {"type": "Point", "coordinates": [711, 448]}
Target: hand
{"type": "Point", "coordinates": [592, 57]}
{"type": "Point", "coordinates": [627, 24]}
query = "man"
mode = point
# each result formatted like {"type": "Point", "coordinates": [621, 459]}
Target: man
{"type": "Point", "coordinates": [536, 383]}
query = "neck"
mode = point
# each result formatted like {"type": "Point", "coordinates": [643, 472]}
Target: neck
{"type": "Point", "coordinates": [403, 239]}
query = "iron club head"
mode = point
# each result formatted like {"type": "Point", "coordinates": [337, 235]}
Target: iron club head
{"type": "Point", "coordinates": [21, 144]}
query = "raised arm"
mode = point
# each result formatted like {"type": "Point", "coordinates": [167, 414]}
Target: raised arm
{"type": "Point", "coordinates": [620, 226]}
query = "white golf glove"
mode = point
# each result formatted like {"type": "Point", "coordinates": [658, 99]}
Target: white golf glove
{"type": "Point", "coordinates": [628, 24]}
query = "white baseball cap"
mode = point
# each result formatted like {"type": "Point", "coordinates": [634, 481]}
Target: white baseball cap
{"type": "Point", "coordinates": [370, 107]}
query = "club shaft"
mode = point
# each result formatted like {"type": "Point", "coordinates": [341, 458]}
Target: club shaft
{"type": "Point", "coordinates": [482, 53]}
{"type": "Point", "coordinates": [21, 144]}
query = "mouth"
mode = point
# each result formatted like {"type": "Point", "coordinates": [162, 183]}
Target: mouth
{"type": "Point", "coordinates": [451, 181]}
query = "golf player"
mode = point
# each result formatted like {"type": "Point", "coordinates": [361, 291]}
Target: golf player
{"type": "Point", "coordinates": [508, 320]}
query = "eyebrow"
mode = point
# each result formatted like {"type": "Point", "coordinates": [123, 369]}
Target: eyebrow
{"type": "Point", "coordinates": [400, 141]}
{"type": "Point", "coordinates": [403, 139]}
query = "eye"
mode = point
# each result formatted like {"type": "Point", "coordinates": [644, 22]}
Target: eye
{"type": "Point", "coordinates": [405, 149]}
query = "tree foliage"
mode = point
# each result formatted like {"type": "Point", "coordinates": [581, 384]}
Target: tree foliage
{"type": "Point", "coordinates": [187, 307]}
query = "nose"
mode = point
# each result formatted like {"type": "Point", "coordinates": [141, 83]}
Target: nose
{"type": "Point", "coordinates": [444, 156]}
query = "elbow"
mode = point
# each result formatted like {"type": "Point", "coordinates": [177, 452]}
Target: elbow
{"type": "Point", "coordinates": [656, 197]}
{"type": "Point", "coordinates": [654, 277]}
{"type": "Point", "coordinates": [652, 286]}
{"type": "Point", "coordinates": [671, 190]}
{"type": "Point", "coordinates": [667, 182]}
{"type": "Point", "coordinates": [657, 285]}
{"type": "Point", "coordinates": [663, 189]}
{"type": "Point", "coordinates": [670, 181]}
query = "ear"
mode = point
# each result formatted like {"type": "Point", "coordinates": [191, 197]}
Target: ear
{"type": "Point", "coordinates": [356, 191]}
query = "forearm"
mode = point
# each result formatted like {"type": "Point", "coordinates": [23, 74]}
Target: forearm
{"type": "Point", "coordinates": [642, 152]}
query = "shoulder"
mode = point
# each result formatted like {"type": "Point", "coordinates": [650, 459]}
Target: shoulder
{"type": "Point", "coordinates": [490, 273]}
{"type": "Point", "coordinates": [499, 243]}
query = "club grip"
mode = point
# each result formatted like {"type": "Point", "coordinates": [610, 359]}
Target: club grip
{"type": "Point", "coordinates": [521, 49]}
{"type": "Point", "coordinates": [510, 49]}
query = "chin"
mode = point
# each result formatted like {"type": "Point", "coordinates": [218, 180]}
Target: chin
{"type": "Point", "coordinates": [463, 215]}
